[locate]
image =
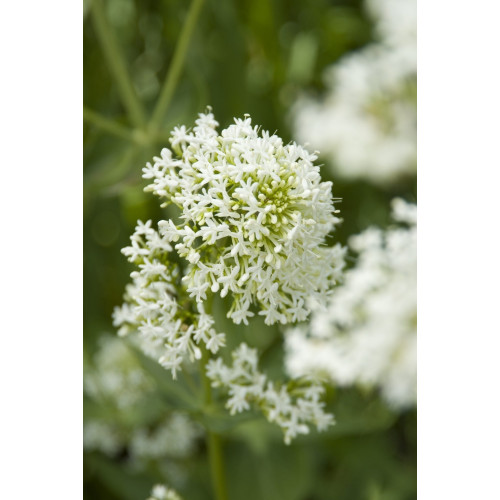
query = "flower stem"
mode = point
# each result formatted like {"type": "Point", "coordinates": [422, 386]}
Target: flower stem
{"type": "Point", "coordinates": [217, 465]}
{"type": "Point", "coordinates": [214, 443]}
{"type": "Point", "coordinates": [176, 65]}
{"type": "Point", "coordinates": [117, 66]}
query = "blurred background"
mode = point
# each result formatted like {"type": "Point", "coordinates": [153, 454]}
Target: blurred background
{"type": "Point", "coordinates": [259, 57]}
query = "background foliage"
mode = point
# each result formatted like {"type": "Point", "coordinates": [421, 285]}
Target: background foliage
{"type": "Point", "coordinates": [252, 56]}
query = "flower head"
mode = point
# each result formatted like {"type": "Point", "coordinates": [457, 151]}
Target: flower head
{"type": "Point", "coordinates": [254, 214]}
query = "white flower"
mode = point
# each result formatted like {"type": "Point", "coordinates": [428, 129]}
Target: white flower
{"type": "Point", "coordinates": [116, 375]}
{"type": "Point", "coordinates": [102, 436]}
{"type": "Point", "coordinates": [367, 333]}
{"type": "Point", "coordinates": [174, 437]}
{"type": "Point", "coordinates": [396, 21]}
{"type": "Point", "coordinates": [161, 492]}
{"type": "Point", "coordinates": [255, 216]}
{"type": "Point", "coordinates": [366, 123]}
{"type": "Point", "coordinates": [158, 307]}
{"type": "Point", "coordinates": [117, 384]}
{"type": "Point", "coordinates": [293, 406]}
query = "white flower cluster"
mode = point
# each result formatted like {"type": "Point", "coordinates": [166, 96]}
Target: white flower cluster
{"type": "Point", "coordinates": [161, 492]}
{"type": "Point", "coordinates": [366, 123]}
{"type": "Point", "coordinates": [292, 407]}
{"type": "Point", "coordinates": [157, 305]}
{"type": "Point", "coordinates": [116, 382]}
{"type": "Point", "coordinates": [116, 375]}
{"type": "Point", "coordinates": [175, 437]}
{"type": "Point", "coordinates": [367, 332]}
{"type": "Point", "coordinates": [254, 218]}
{"type": "Point", "coordinates": [103, 436]}
{"type": "Point", "coordinates": [396, 21]}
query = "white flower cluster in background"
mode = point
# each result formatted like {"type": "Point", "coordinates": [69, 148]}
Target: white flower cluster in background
{"type": "Point", "coordinates": [161, 492]}
{"type": "Point", "coordinates": [366, 123]}
{"type": "Point", "coordinates": [293, 406]}
{"type": "Point", "coordinates": [116, 375]}
{"type": "Point", "coordinates": [254, 218]}
{"type": "Point", "coordinates": [367, 332]}
{"type": "Point", "coordinates": [396, 22]}
{"type": "Point", "coordinates": [173, 438]}
{"type": "Point", "coordinates": [170, 325]}
{"type": "Point", "coordinates": [177, 434]}
{"type": "Point", "coordinates": [102, 436]}
{"type": "Point", "coordinates": [117, 384]}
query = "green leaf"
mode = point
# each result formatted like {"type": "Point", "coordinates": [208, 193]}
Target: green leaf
{"type": "Point", "coordinates": [175, 393]}
{"type": "Point", "coordinates": [121, 481]}
{"type": "Point", "coordinates": [281, 472]}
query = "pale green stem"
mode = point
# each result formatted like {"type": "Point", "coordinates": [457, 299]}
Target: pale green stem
{"type": "Point", "coordinates": [176, 65]}
{"type": "Point", "coordinates": [117, 66]}
{"type": "Point", "coordinates": [107, 125]}
{"type": "Point", "coordinates": [117, 129]}
{"type": "Point", "coordinates": [217, 465]}
{"type": "Point", "coordinates": [214, 443]}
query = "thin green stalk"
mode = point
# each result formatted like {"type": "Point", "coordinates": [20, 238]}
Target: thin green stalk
{"type": "Point", "coordinates": [217, 465]}
{"type": "Point", "coordinates": [176, 65]}
{"type": "Point", "coordinates": [117, 66]}
{"type": "Point", "coordinates": [107, 125]}
{"type": "Point", "coordinates": [214, 443]}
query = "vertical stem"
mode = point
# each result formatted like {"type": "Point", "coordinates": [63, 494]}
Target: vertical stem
{"type": "Point", "coordinates": [117, 66]}
{"type": "Point", "coordinates": [175, 68]}
{"type": "Point", "coordinates": [214, 443]}
{"type": "Point", "coordinates": [217, 465]}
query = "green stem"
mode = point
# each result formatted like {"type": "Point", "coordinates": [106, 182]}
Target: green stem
{"type": "Point", "coordinates": [176, 65]}
{"type": "Point", "coordinates": [107, 125]}
{"type": "Point", "coordinates": [117, 66]}
{"type": "Point", "coordinates": [214, 443]}
{"type": "Point", "coordinates": [217, 465]}
{"type": "Point", "coordinates": [117, 129]}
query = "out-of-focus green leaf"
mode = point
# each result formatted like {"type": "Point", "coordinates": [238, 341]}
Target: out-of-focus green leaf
{"type": "Point", "coordinates": [123, 482]}
{"type": "Point", "coordinates": [358, 414]}
{"type": "Point", "coordinates": [281, 472]}
{"type": "Point", "coordinates": [175, 393]}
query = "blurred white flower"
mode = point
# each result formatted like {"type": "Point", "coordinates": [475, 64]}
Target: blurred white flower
{"type": "Point", "coordinates": [367, 333]}
{"type": "Point", "coordinates": [293, 407]}
{"type": "Point", "coordinates": [161, 492]}
{"type": "Point", "coordinates": [118, 384]}
{"type": "Point", "coordinates": [172, 438]}
{"type": "Point", "coordinates": [175, 437]}
{"type": "Point", "coordinates": [255, 216]}
{"type": "Point", "coordinates": [366, 123]}
{"type": "Point", "coordinates": [116, 376]}
{"type": "Point", "coordinates": [395, 21]}
{"type": "Point", "coordinates": [102, 436]}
